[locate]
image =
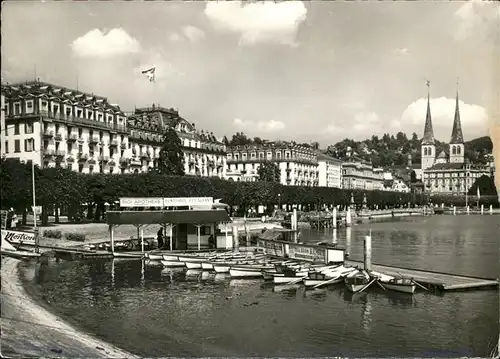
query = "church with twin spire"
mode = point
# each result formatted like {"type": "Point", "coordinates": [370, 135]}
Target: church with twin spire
{"type": "Point", "coordinates": [447, 171]}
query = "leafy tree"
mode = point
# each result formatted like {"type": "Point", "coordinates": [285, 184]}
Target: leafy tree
{"type": "Point", "coordinates": [171, 159]}
{"type": "Point", "coordinates": [240, 139]}
{"type": "Point", "coordinates": [225, 140]}
{"type": "Point", "coordinates": [486, 186]}
{"type": "Point", "coordinates": [269, 172]}
{"type": "Point", "coordinates": [258, 141]}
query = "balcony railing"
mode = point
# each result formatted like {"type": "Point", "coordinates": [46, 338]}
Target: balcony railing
{"type": "Point", "coordinates": [60, 153]}
{"type": "Point", "coordinates": [77, 120]}
{"type": "Point", "coordinates": [72, 138]}
{"type": "Point", "coordinates": [83, 156]}
{"type": "Point", "coordinates": [94, 139]}
{"type": "Point", "coordinates": [113, 143]}
{"type": "Point", "coordinates": [92, 160]}
{"type": "Point", "coordinates": [104, 158]}
{"type": "Point", "coordinates": [123, 146]}
{"type": "Point", "coordinates": [70, 159]}
{"type": "Point", "coordinates": [48, 153]}
{"type": "Point", "coordinates": [48, 133]}
{"type": "Point", "coordinates": [58, 137]}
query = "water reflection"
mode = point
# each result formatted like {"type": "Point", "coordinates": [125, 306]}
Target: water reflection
{"type": "Point", "coordinates": [348, 237]}
{"type": "Point", "coordinates": [334, 233]}
{"type": "Point", "coordinates": [366, 313]}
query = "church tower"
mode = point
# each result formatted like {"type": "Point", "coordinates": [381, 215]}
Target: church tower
{"type": "Point", "coordinates": [428, 146]}
{"type": "Point", "coordinates": [457, 147]}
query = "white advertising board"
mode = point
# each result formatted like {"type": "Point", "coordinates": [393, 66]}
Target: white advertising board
{"type": "Point", "coordinates": [188, 201]}
{"type": "Point", "coordinates": [141, 202]}
{"type": "Point", "coordinates": [18, 237]}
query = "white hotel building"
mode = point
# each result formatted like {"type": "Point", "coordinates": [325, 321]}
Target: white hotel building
{"type": "Point", "coordinates": [299, 165]}
{"type": "Point", "coordinates": [59, 127]}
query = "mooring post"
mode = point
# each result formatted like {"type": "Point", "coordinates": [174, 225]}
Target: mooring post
{"type": "Point", "coordinates": [225, 230]}
{"type": "Point", "coordinates": [141, 230]}
{"type": "Point", "coordinates": [368, 253]}
{"type": "Point", "coordinates": [334, 218]}
{"type": "Point", "coordinates": [111, 236]}
{"type": "Point", "coordinates": [247, 232]}
{"type": "Point", "coordinates": [348, 236]}
{"type": "Point", "coordinates": [295, 237]}
{"type": "Point", "coordinates": [334, 235]}
{"type": "Point", "coordinates": [199, 238]}
{"type": "Point", "coordinates": [491, 209]}
{"type": "Point", "coordinates": [236, 243]}
{"type": "Point", "coordinates": [454, 210]}
{"type": "Point", "coordinates": [171, 227]}
{"type": "Point", "coordinates": [482, 208]}
{"type": "Point", "coordinates": [468, 209]}
{"type": "Point", "coordinates": [348, 219]}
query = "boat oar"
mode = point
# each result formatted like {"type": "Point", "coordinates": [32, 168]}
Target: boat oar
{"type": "Point", "coordinates": [366, 286]}
{"type": "Point", "coordinates": [325, 282]}
{"type": "Point", "coordinates": [380, 284]}
{"type": "Point", "coordinates": [420, 285]}
{"type": "Point", "coordinates": [295, 281]}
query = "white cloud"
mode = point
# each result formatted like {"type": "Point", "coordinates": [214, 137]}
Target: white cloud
{"type": "Point", "coordinates": [193, 33]}
{"type": "Point", "coordinates": [258, 22]}
{"type": "Point", "coordinates": [363, 125]}
{"type": "Point", "coordinates": [261, 126]}
{"type": "Point", "coordinates": [401, 51]}
{"type": "Point", "coordinates": [175, 37]}
{"type": "Point", "coordinates": [97, 43]}
{"type": "Point", "coordinates": [476, 18]}
{"type": "Point", "coordinates": [474, 118]}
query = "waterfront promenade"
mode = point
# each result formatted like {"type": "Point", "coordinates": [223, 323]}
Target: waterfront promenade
{"type": "Point", "coordinates": [28, 330]}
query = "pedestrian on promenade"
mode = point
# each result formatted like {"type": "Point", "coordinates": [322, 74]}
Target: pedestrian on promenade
{"type": "Point", "coordinates": [160, 238]}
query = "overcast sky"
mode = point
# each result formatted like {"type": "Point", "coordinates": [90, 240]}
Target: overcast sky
{"type": "Point", "coordinates": [312, 71]}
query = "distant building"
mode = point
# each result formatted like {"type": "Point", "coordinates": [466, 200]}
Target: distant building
{"type": "Point", "coordinates": [447, 172]}
{"type": "Point", "coordinates": [329, 171]}
{"type": "Point", "coordinates": [362, 175]}
{"type": "Point", "coordinates": [298, 164]}
{"type": "Point", "coordinates": [59, 127]}
{"type": "Point", "coordinates": [204, 155]}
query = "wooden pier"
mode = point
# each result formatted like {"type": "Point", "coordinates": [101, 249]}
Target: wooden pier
{"type": "Point", "coordinates": [432, 279]}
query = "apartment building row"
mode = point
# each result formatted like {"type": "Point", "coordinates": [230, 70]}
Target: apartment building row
{"type": "Point", "coordinates": [56, 126]}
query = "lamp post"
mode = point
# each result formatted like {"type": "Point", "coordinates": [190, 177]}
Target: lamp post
{"type": "Point", "coordinates": [279, 201]}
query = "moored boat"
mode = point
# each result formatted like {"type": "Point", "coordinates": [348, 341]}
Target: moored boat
{"type": "Point", "coordinates": [172, 264]}
{"type": "Point", "coordinates": [289, 280]}
{"type": "Point", "coordinates": [245, 272]}
{"type": "Point", "coordinates": [128, 255]}
{"type": "Point", "coordinates": [193, 265]}
{"type": "Point", "coordinates": [356, 281]}
{"type": "Point", "coordinates": [154, 256]}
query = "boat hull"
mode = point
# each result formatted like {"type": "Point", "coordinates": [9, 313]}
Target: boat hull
{"type": "Point", "coordinates": [403, 288]}
{"type": "Point", "coordinates": [155, 257]}
{"type": "Point", "coordinates": [173, 264]}
{"type": "Point", "coordinates": [19, 254]}
{"type": "Point", "coordinates": [245, 273]}
{"type": "Point", "coordinates": [127, 255]}
{"type": "Point", "coordinates": [193, 265]}
{"type": "Point", "coordinates": [288, 280]}
{"type": "Point", "coordinates": [355, 287]}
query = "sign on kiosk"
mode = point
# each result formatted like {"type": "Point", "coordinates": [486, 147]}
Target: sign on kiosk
{"type": "Point", "coordinates": [141, 202]}
{"type": "Point", "coordinates": [188, 201]}
{"type": "Point", "coordinates": [166, 202]}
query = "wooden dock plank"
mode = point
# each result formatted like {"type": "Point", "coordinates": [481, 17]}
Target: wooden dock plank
{"type": "Point", "coordinates": [443, 281]}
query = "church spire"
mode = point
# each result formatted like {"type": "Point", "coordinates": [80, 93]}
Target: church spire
{"type": "Point", "coordinates": [456, 134]}
{"type": "Point", "coordinates": [428, 138]}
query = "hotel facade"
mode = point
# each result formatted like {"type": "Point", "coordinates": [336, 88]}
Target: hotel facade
{"type": "Point", "coordinates": [59, 127]}
{"type": "Point", "coordinates": [362, 175]}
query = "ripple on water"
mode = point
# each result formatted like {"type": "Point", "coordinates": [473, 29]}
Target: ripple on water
{"type": "Point", "coordinates": [168, 312]}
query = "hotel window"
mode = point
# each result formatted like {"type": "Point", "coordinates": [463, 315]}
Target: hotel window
{"type": "Point", "coordinates": [6, 146]}
{"type": "Point", "coordinates": [55, 109]}
{"type": "Point", "coordinates": [6, 108]}
{"type": "Point", "coordinates": [278, 155]}
{"type": "Point", "coordinates": [261, 155]}
{"type": "Point", "coordinates": [253, 155]}
{"type": "Point", "coordinates": [28, 127]}
{"type": "Point", "coordinates": [269, 156]}
{"type": "Point", "coordinates": [44, 105]}
{"type": "Point", "coordinates": [17, 146]}
{"type": "Point", "coordinates": [99, 117]}
{"type": "Point", "coordinates": [29, 106]}
{"type": "Point", "coordinates": [236, 156]}
{"type": "Point", "coordinates": [287, 155]}
{"type": "Point", "coordinates": [90, 115]}
{"type": "Point", "coordinates": [29, 144]}
{"type": "Point", "coordinates": [80, 168]}
{"type": "Point", "coordinates": [79, 113]}
{"type": "Point", "coordinates": [17, 109]}
{"type": "Point", "coordinates": [16, 129]}
{"type": "Point", "coordinates": [69, 147]}
{"type": "Point", "coordinates": [244, 156]}
{"type": "Point", "coordinates": [68, 111]}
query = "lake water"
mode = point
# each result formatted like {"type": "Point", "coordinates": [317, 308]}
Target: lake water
{"type": "Point", "coordinates": [151, 311]}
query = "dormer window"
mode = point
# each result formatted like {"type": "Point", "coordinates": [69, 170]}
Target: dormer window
{"type": "Point", "coordinates": [29, 106]}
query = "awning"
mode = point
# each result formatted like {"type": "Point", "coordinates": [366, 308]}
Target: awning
{"type": "Point", "coordinates": [172, 217]}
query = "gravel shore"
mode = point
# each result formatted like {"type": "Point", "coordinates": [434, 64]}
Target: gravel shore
{"type": "Point", "coordinates": [29, 330]}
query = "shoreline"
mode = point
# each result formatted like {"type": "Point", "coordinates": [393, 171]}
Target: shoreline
{"type": "Point", "coordinates": [29, 330]}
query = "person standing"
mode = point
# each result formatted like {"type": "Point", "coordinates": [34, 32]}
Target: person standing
{"type": "Point", "coordinates": [160, 238]}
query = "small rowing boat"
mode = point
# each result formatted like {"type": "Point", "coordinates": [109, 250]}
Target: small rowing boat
{"type": "Point", "coordinates": [172, 264]}
{"type": "Point", "coordinates": [357, 280]}
{"type": "Point", "coordinates": [397, 284]}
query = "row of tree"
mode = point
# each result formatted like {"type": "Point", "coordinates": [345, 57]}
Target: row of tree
{"type": "Point", "coordinates": [66, 189]}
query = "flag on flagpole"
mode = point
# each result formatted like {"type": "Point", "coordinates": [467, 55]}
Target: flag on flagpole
{"type": "Point", "coordinates": [150, 74]}
{"type": "Point", "coordinates": [478, 193]}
